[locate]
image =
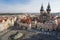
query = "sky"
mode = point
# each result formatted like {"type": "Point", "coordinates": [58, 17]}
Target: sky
{"type": "Point", "coordinates": [27, 6]}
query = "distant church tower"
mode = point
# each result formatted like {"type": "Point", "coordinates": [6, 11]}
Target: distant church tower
{"type": "Point", "coordinates": [42, 9]}
{"type": "Point", "coordinates": [48, 11]}
{"type": "Point", "coordinates": [48, 8]}
{"type": "Point", "coordinates": [45, 15]}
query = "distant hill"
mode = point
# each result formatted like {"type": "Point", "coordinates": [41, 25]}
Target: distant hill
{"type": "Point", "coordinates": [26, 13]}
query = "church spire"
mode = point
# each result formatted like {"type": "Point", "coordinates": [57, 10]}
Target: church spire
{"type": "Point", "coordinates": [42, 9]}
{"type": "Point", "coordinates": [48, 8]}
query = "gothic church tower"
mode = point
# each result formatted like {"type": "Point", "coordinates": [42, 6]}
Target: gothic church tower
{"type": "Point", "coordinates": [45, 15]}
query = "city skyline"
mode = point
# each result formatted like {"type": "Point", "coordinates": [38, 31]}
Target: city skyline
{"type": "Point", "coordinates": [30, 6]}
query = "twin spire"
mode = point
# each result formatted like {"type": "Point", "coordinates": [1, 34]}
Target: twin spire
{"type": "Point", "coordinates": [48, 8]}
{"type": "Point", "coordinates": [42, 9]}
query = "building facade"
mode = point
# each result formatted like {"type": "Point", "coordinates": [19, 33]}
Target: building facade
{"type": "Point", "coordinates": [45, 15]}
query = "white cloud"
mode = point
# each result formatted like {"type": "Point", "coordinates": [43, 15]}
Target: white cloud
{"type": "Point", "coordinates": [33, 6]}
{"type": "Point", "coordinates": [20, 8]}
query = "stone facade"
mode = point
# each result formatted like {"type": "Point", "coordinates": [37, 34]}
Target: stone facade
{"type": "Point", "coordinates": [45, 15]}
